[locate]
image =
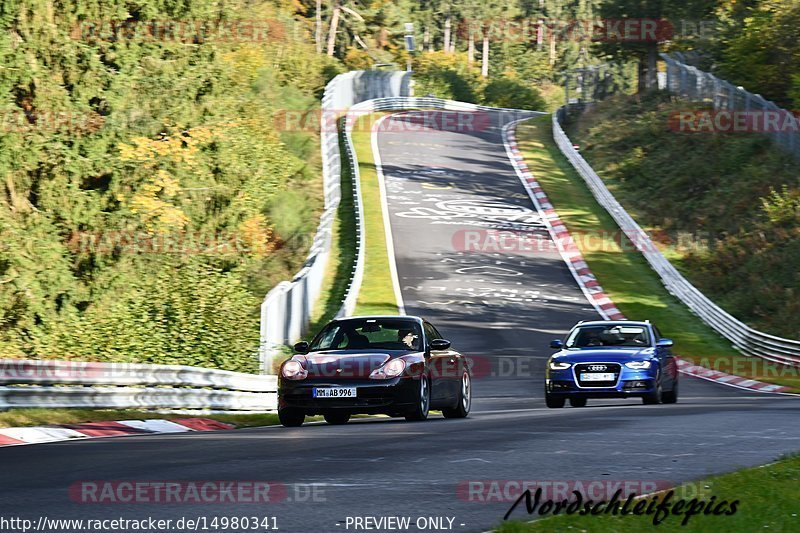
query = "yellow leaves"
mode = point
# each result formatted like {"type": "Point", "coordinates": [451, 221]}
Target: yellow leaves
{"type": "Point", "coordinates": [255, 234]}
{"type": "Point", "coordinates": [153, 203]}
{"type": "Point", "coordinates": [246, 61]}
{"type": "Point", "coordinates": [173, 146]}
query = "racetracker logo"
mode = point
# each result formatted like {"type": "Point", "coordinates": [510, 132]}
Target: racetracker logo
{"type": "Point", "coordinates": [497, 491]}
{"type": "Point", "coordinates": [528, 242]}
{"type": "Point", "coordinates": [211, 492]}
{"type": "Point", "coordinates": [45, 370]}
{"type": "Point", "coordinates": [631, 30]}
{"type": "Point", "coordinates": [180, 31]}
{"type": "Point", "coordinates": [426, 121]}
{"type": "Point", "coordinates": [734, 121]}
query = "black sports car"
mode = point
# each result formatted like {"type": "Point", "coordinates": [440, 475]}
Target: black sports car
{"type": "Point", "coordinates": [393, 365]}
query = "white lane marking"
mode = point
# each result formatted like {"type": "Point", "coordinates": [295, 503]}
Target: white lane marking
{"type": "Point", "coordinates": [387, 224]}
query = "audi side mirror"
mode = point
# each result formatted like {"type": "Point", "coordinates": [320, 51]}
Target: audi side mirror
{"type": "Point", "coordinates": [439, 344]}
{"type": "Point", "coordinates": [664, 343]}
{"type": "Point", "coordinates": [301, 347]}
{"type": "Point", "coordinates": [556, 344]}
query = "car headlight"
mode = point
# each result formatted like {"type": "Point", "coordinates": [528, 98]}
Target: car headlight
{"type": "Point", "coordinates": [392, 369]}
{"type": "Point", "coordinates": [557, 365]}
{"type": "Point", "coordinates": [294, 370]}
{"type": "Point", "coordinates": [638, 365]}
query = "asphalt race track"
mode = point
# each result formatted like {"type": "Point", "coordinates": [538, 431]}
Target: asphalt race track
{"type": "Point", "coordinates": [501, 308]}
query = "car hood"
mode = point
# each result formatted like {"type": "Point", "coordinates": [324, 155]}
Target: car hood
{"type": "Point", "coordinates": [344, 364]}
{"type": "Point", "coordinates": [604, 355]}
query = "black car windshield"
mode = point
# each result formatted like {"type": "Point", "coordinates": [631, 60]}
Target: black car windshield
{"type": "Point", "coordinates": [370, 334]}
{"type": "Point", "coordinates": [611, 335]}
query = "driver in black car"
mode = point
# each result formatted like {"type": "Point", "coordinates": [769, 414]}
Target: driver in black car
{"type": "Point", "coordinates": [409, 338]}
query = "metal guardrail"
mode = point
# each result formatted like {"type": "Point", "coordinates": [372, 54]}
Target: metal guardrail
{"type": "Point", "coordinates": [25, 383]}
{"type": "Point", "coordinates": [699, 86]}
{"type": "Point", "coordinates": [287, 308]}
{"type": "Point", "coordinates": [744, 338]}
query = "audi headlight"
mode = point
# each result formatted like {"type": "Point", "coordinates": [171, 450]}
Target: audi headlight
{"type": "Point", "coordinates": [294, 370]}
{"type": "Point", "coordinates": [557, 365]}
{"type": "Point", "coordinates": [392, 369]}
{"type": "Point", "coordinates": [638, 365]}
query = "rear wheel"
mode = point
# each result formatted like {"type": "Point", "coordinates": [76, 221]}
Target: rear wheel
{"type": "Point", "coordinates": [671, 396]}
{"type": "Point", "coordinates": [420, 410]}
{"type": "Point", "coordinates": [577, 401]}
{"type": "Point", "coordinates": [291, 418]}
{"type": "Point", "coordinates": [654, 397]}
{"type": "Point", "coordinates": [337, 419]}
{"type": "Point", "coordinates": [464, 400]}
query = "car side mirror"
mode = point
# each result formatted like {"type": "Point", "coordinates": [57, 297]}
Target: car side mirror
{"type": "Point", "coordinates": [301, 347]}
{"type": "Point", "coordinates": [439, 344]}
{"type": "Point", "coordinates": [664, 343]}
{"type": "Point", "coordinates": [556, 344]}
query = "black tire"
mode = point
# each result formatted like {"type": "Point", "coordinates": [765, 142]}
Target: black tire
{"type": "Point", "coordinates": [336, 418]}
{"type": "Point", "coordinates": [423, 405]}
{"type": "Point", "coordinates": [554, 402]}
{"type": "Point", "coordinates": [671, 396]}
{"type": "Point", "coordinates": [577, 401]}
{"type": "Point", "coordinates": [464, 399]}
{"type": "Point", "coordinates": [291, 418]}
{"type": "Point", "coordinates": [654, 398]}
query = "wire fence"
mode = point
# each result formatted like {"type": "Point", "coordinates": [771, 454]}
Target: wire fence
{"type": "Point", "coordinates": [779, 124]}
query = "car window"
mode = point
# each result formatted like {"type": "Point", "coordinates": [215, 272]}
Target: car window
{"type": "Point", "coordinates": [430, 333]}
{"type": "Point", "coordinates": [657, 333]}
{"type": "Point", "coordinates": [369, 334]}
{"type": "Point", "coordinates": [611, 335]}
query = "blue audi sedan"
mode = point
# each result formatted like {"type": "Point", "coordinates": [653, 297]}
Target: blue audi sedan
{"type": "Point", "coordinates": [611, 359]}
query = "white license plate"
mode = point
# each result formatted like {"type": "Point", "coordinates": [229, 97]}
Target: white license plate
{"type": "Point", "coordinates": [597, 377]}
{"type": "Point", "coordinates": [336, 392]}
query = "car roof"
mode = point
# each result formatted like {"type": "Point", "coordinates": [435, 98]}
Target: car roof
{"type": "Point", "coordinates": [380, 317]}
{"type": "Point", "coordinates": [613, 322]}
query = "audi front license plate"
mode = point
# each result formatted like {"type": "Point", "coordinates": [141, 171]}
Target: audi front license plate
{"type": "Point", "coordinates": [337, 392]}
{"type": "Point", "coordinates": [598, 377]}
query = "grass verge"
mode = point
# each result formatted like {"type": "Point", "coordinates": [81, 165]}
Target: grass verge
{"type": "Point", "coordinates": [767, 495]}
{"type": "Point", "coordinates": [43, 417]}
{"type": "Point", "coordinates": [623, 272]}
{"type": "Point", "coordinates": [377, 293]}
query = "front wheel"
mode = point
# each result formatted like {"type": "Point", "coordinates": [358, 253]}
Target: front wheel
{"type": "Point", "coordinates": [654, 397]}
{"type": "Point", "coordinates": [291, 418]}
{"type": "Point", "coordinates": [423, 402]}
{"type": "Point", "coordinates": [464, 400]}
{"type": "Point", "coordinates": [554, 402]}
{"type": "Point", "coordinates": [337, 419]}
{"type": "Point", "coordinates": [577, 401]}
{"type": "Point", "coordinates": [671, 396]}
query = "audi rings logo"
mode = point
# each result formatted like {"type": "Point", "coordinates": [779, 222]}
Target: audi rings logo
{"type": "Point", "coordinates": [597, 368]}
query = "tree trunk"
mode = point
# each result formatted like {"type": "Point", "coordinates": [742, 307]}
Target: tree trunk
{"type": "Point", "coordinates": [332, 30]}
{"type": "Point", "coordinates": [447, 48]}
{"type": "Point", "coordinates": [318, 27]}
{"type": "Point", "coordinates": [552, 48]}
{"type": "Point", "coordinates": [652, 66]}
{"type": "Point", "coordinates": [540, 34]}
{"type": "Point", "coordinates": [485, 56]}
{"type": "Point", "coordinates": [471, 48]}
{"type": "Point", "coordinates": [426, 38]}
{"type": "Point", "coordinates": [648, 70]}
